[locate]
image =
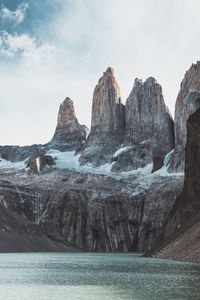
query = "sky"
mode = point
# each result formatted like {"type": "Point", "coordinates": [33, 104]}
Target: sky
{"type": "Point", "coordinates": [53, 49]}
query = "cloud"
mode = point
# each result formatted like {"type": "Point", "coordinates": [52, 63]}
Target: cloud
{"type": "Point", "coordinates": [74, 42]}
{"type": "Point", "coordinates": [17, 16]}
{"type": "Point", "coordinates": [25, 47]}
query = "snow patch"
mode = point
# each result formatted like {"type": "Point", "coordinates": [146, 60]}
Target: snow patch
{"type": "Point", "coordinates": [6, 164]}
{"type": "Point", "coordinates": [140, 171]}
{"type": "Point", "coordinates": [123, 149]}
{"type": "Point", "coordinates": [70, 161]}
{"type": "Point", "coordinates": [163, 172]}
{"type": "Point", "coordinates": [38, 164]}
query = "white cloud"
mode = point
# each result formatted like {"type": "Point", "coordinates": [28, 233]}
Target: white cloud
{"type": "Point", "coordinates": [28, 48]}
{"type": "Point", "coordinates": [17, 16]}
{"type": "Point", "coordinates": [138, 38]}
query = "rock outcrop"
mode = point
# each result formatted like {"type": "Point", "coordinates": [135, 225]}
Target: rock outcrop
{"type": "Point", "coordinates": [39, 163]}
{"type": "Point", "coordinates": [107, 109]}
{"type": "Point", "coordinates": [148, 119]}
{"type": "Point", "coordinates": [187, 102]}
{"type": "Point", "coordinates": [144, 123]}
{"type": "Point", "coordinates": [69, 134]}
{"type": "Point", "coordinates": [17, 153]}
{"type": "Point", "coordinates": [188, 203]}
{"type": "Point", "coordinates": [108, 121]}
{"type": "Point", "coordinates": [147, 116]}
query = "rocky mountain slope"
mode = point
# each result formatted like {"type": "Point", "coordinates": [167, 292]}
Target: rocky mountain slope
{"type": "Point", "coordinates": [110, 191]}
{"type": "Point", "coordinates": [187, 102]}
{"type": "Point", "coordinates": [91, 212]}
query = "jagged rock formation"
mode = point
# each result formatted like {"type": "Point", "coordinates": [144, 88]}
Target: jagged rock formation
{"type": "Point", "coordinates": [148, 121]}
{"type": "Point", "coordinates": [91, 211]}
{"type": "Point", "coordinates": [107, 109]}
{"type": "Point", "coordinates": [145, 123]}
{"type": "Point", "coordinates": [182, 233]}
{"type": "Point", "coordinates": [108, 121]}
{"type": "Point", "coordinates": [69, 134]}
{"type": "Point", "coordinates": [149, 127]}
{"type": "Point", "coordinates": [40, 163]}
{"type": "Point", "coordinates": [187, 102]}
{"type": "Point", "coordinates": [147, 116]}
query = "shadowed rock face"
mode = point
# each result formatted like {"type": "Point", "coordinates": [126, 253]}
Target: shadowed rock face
{"type": "Point", "coordinates": [69, 134]}
{"type": "Point", "coordinates": [187, 102]}
{"type": "Point", "coordinates": [147, 116]}
{"type": "Point", "coordinates": [182, 233]}
{"type": "Point", "coordinates": [86, 211]}
{"type": "Point", "coordinates": [149, 127]}
{"type": "Point", "coordinates": [188, 203]}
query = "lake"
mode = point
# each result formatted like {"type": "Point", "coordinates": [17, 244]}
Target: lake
{"type": "Point", "coordinates": [86, 276]}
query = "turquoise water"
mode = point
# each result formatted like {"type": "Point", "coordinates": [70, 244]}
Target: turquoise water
{"type": "Point", "coordinates": [74, 276]}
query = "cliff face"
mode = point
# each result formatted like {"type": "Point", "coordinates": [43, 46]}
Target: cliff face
{"type": "Point", "coordinates": [182, 233]}
{"type": "Point", "coordinates": [144, 125]}
{"type": "Point", "coordinates": [187, 102]}
{"type": "Point", "coordinates": [147, 116]}
{"type": "Point", "coordinates": [20, 208]}
{"type": "Point", "coordinates": [86, 211]}
{"type": "Point", "coordinates": [69, 134]}
{"type": "Point", "coordinates": [149, 127]}
{"type": "Point", "coordinates": [188, 204]}
{"type": "Point", "coordinates": [108, 121]}
{"type": "Point", "coordinates": [102, 214]}
{"type": "Point", "coordinates": [107, 109]}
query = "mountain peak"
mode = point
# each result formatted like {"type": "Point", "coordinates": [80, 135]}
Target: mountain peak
{"type": "Point", "coordinates": [69, 134]}
{"type": "Point", "coordinates": [66, 113]}
{"type": "Point", "coordinates": [109, 71]}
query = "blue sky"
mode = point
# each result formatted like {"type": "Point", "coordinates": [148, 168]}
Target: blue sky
{"type": "Point", "coordinates": [52, 49]}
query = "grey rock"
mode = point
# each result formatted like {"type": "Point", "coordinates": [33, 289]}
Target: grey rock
{"type": "Point", "coordinates": [108, 121]}
{"type": "Point", "coordinates": [69, 134]}
{"type": "Point", "coordinates": [91, 212]}
{"type": "Point", "coordinates": [187, 102]}
{"type": "Point", "coordinates": [17, 153]}
{"type": "Point", "coordinates": [181, 236]}
{"type": "Point", "coordinates": [148, 120]}
{"type": "Point", "coordinates": [137, 156]}
{"type": "Point", "coordinates": [40, 163]}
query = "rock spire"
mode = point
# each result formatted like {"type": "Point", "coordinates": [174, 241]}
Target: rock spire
{"type": "Point", "coordinates": [69, 134]}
